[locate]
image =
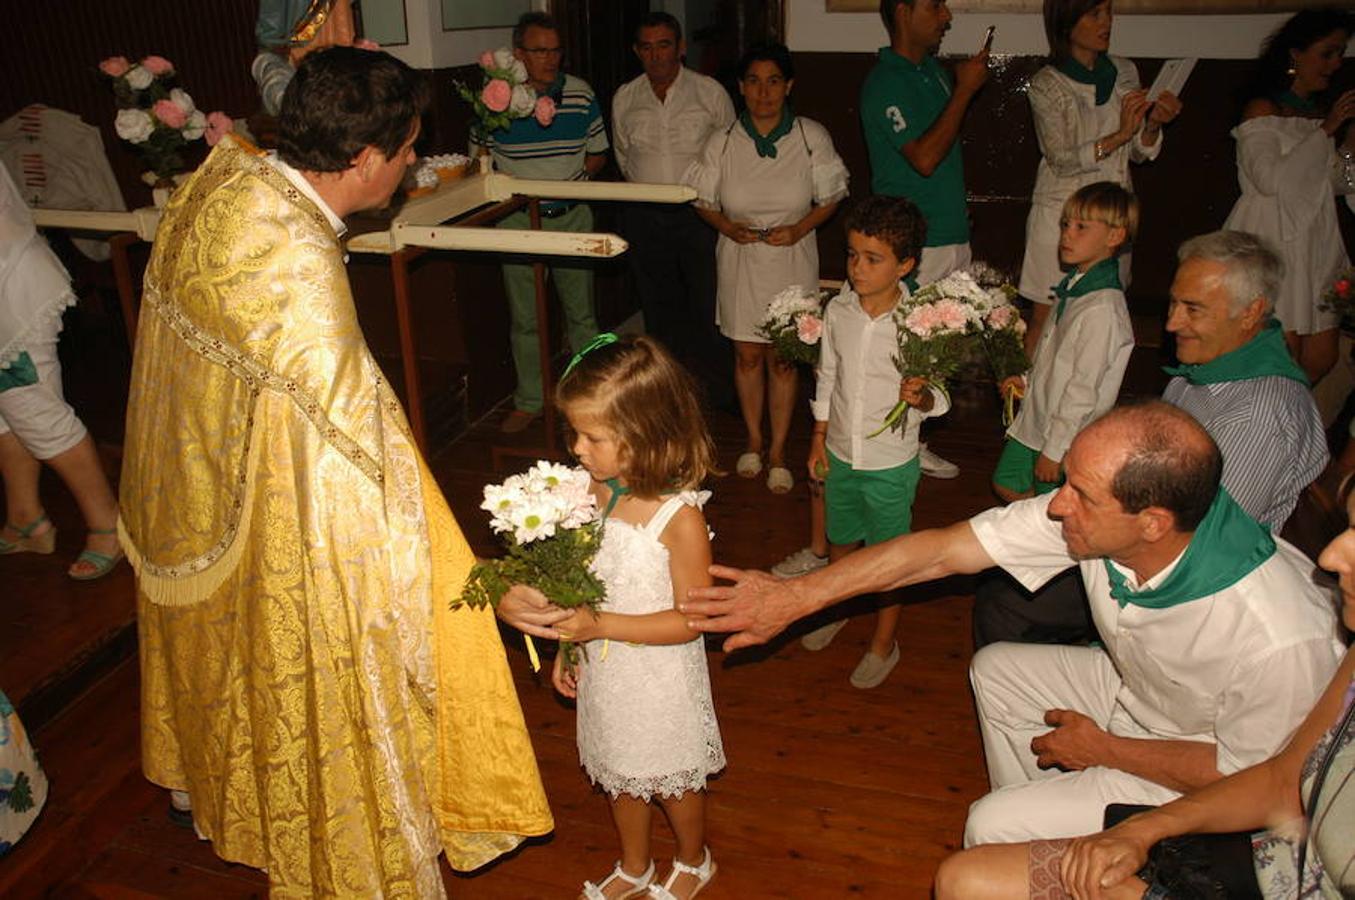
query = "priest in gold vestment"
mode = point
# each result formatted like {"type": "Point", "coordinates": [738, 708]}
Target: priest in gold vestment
{"type": "Point", "coordinates": [304, 679]}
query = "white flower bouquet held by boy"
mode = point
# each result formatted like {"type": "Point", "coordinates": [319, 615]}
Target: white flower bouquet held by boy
{"type": "Point", "coordinates": [794, 324]}
{"type": "Point", "coordinates": [504, 95]}
{"type": "Point", "coordinates": [549, 520]}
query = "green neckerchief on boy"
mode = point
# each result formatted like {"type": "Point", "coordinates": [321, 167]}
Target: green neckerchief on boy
{"type": "Point", "coordinates": [766, 144]}
{"type": "Point", "coordinates": [1262, 356]}
{"type": "Point", "coordinates": [1105, 274]}
{"type": "Point", "coordinates": [1101, 75]}
{"type": "Point", "coordinates": [1224, 549]}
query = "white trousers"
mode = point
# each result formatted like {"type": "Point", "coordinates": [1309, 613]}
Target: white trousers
{"type": "Point", "coordinates": [938, 262]}
{"type": "Point", "coordinates": [38, 414]}
{"type": "Point", "coordinates": [1014, 685]}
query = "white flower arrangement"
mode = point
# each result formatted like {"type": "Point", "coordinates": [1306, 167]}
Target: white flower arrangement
{"type": "Point", "coordinates": [549, 520]}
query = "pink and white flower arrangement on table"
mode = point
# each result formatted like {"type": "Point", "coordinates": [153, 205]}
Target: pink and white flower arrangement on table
{"type": "Point", "coordinates": [504, 94]}
{"type": "Point", "coordinates": [157, 118]}
{"type": "Point", "coordinates": [549, 520]}
{"type": "Point", "coordinates": [794, 324]}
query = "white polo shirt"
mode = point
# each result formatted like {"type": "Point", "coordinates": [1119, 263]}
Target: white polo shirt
{"type": "Point", "coordinates": [656, 140]}
{"type": "Point", "coordinates": [1239, 668]}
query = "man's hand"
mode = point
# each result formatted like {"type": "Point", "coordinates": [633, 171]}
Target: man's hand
{"type": "Point", "coordinates": [970, 74]}
{"type": "Point", "coordinates": [753, 606]}
{"type": "Point", "coordinates": [528, 610]}
{"type": "Point", "coordinates": [1076, 742]}
{"type": "Point", "coordinates": [1046, 470]}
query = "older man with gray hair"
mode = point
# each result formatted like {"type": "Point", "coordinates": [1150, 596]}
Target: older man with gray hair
{"type": "Point", "coordinates": [1236, 375]}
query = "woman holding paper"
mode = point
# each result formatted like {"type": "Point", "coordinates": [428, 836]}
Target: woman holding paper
{"type": "Point", "coordinates": [1289, 163]}
{"type": "Point", "coordinates": [1092, 119]}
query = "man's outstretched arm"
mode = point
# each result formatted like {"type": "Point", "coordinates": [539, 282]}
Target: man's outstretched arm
{"type": "Point", "coordinates": [759, 606]}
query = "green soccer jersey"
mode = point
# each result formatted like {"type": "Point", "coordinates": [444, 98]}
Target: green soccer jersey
{"type": "Point", "coordinates": [899, 102]}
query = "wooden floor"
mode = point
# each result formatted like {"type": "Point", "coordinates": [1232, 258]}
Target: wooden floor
{"type": "Point", "coordinates": [830, 791]}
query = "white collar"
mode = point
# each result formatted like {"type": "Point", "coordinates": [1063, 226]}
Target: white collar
{"type": "Point", "coordinates": [299, 181]}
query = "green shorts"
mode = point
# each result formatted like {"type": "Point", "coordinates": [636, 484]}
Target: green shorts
{"type": "Point", "coordinates": [871, 506]}
{"type": "Point", "coordinates": [1016, 470]}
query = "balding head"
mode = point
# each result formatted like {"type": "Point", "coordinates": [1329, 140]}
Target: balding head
{"type": "Point", "coordinates": [1165, 459]}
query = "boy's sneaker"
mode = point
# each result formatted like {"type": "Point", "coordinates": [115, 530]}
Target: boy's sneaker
{"type": "Point", "coordinates": [801, 562]}
{"type": "Point", "coordinates": [934, 465]}
{"type": "Point", "coordinates": [821, 637]}
{"type": "Point", "coordinates": [871, 671]}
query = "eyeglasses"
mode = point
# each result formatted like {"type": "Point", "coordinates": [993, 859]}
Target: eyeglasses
{"type": "Point", "coordinates": [540, 52]}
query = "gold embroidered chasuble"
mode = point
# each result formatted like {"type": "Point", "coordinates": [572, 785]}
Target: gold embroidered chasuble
{"type": "Point", "coordinates": [303, 676]}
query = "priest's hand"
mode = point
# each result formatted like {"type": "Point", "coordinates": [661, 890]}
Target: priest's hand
{"type": "Point", "coordinates": [1076, 742]}
{"type": "Point", "coordinates": [529, 611]}
{"type": "Point", "coordinates": [753, 606]}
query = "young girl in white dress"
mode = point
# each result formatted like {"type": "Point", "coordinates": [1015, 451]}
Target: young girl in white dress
{"type": "Point", "coordinates": [646, 724]}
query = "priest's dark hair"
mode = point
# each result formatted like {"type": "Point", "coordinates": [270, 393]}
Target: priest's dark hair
{"type": "Point", "coordinates": [343, 99]}
{"type": "Point", "coordinates": [1171, 462]}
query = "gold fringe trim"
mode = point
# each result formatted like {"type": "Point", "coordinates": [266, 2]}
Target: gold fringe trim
{"type": "Point", "coordinates": [196, 587]}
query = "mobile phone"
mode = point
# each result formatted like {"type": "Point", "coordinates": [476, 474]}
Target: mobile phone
{"type": "Point", "coordinates": [988, 38]}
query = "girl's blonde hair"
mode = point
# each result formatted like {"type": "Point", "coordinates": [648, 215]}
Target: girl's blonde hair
{"type": "Point", "coordinates": [641, 393]}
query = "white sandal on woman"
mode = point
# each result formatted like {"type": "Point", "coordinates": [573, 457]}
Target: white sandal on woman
{"type": "Point", "coordinates": [639, 885]}
{"type": "Point", "coordinates": [703, 874]}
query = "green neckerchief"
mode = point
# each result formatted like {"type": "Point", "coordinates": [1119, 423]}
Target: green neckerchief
{"type": "Point", "coordinates": [618, 489]}
{"type": "Point", "coordinates": [910, 281]}
{"type": "Point", "coordinates": [20, 373]}
{"type": "Point", "coordinates": [1226, 547]}
{"type": "Point", "coordinates": [1102, 75]}
{"type": "Point", "coordinates": [1262, 356]}
{"type": "Point", "coordinates": [1105, 274]}
{"type": "Point", "coordinates": [766, 145]}
{"type": "Point", "coordinates": [1294, 101]}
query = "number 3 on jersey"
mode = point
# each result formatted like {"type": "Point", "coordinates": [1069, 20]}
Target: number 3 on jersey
{"type": "Point", "coordinates": [895, 119]}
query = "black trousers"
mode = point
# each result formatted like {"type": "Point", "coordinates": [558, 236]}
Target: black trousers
{"type": "Point", "coordinates": [672, 267]}
{"type": "Point", "coordinates": [1055, 614]}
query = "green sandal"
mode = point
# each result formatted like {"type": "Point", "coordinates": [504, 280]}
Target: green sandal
{"type": "Point", "coordinates": [102, 562]}
{"type": "Point", "coordinates": [27, 542]}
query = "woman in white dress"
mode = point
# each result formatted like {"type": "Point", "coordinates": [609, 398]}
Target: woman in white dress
{"type": "Point", "coordinates": [765, 183]}
{"type": "Point", "coordinates": [1291, 158]}
{"type": "Point", "coordinates": [1091, 119]}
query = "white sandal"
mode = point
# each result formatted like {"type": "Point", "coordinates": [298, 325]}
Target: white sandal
{"type": "Point", "coordinates": [749, 464]}
{"type": "Point", "coordinates": [639, 886]}
{"type": "Point", "coordinates": [703, 874]}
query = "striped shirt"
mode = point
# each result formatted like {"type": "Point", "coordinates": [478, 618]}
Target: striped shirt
{"type": "Point", "coordinates": [556, 152]}
{"type": "Point", "coordinates": [1270, 434]}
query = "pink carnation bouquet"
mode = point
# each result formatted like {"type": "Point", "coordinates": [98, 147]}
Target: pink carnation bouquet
{"type": "Point", "coordinates": [155, 117]}
{"type": "Point", "coordinates": [937, 326]}
{"type": "Point", "coordinates": [794, 324]}
{"type": "Point", "coordinates": [504, 94]}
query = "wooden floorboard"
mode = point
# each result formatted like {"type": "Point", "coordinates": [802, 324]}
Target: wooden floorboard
{"type": "Point", "coordinates": [830, 791]}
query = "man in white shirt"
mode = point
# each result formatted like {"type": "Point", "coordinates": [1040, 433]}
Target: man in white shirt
{"type": "Point", "coordinates": [1216, 642]}
{"type": "Point", "coordinates": [660, 122]}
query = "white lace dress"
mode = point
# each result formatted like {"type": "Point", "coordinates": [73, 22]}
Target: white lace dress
{"type": "Point", "coordinates": [646, 722]}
